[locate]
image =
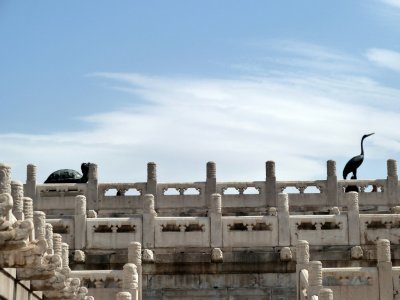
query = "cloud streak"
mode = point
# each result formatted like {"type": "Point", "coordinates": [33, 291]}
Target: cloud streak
{"type": "Point", "coordinates": [394, 3]}
{"type": "Point", "coordinates": [385, 58]}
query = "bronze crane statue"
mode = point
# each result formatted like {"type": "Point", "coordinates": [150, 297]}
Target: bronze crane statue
{"type": "Point", "coordinates": [353, 164]}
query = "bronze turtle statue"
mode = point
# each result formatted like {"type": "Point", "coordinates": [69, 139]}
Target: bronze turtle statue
{"type": "Point", "coordinates": [69, 175]}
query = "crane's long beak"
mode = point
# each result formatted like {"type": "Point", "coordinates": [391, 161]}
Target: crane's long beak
{"type": "Point", "coordinates": [370, 134]}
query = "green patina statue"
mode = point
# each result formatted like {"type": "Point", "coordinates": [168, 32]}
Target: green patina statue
{"type": "Point", "coordinates": [69, 175]}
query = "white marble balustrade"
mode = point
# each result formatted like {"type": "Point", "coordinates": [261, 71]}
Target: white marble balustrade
{"type": "Point", "coordinates": [250, 231]}
{"type": "Point", "coordinates": [122, 196]}
{"type": "Point", "coordinates": [319, 229]}
{"type": "Point", "coordinates": [379, 226]}
{"type": "Point", "coordinates": [99, 277]}
{"type": "Point", "coordinates": [182, 195]}
{"type": "Point", "coordinates": [371, 192]}
{"type": "Point", "coordinates": [113, 233]}
{"type": "Point", "coordinates": [58, 196]}
{"type": "Point", "coordinates": [182, 232]}
{"type": "Point", "coordinates": [309, 193]}
{"type": "Point", "coordinates": [352, 283]}
{"type": "Point", "coordinates": [236, 194]}
{"type": "Point", "coordinates": [396, 282]}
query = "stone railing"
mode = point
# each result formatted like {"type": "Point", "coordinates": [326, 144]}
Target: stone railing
{"type": "Point", "coordinates": [119, 197]}
{"type": "Point", "coordinates": [345, 281]}
{"type": "Point", "coordinates": [100, 278]}
{"type": "Point", "coordinates": [184, 195]}
{"type": "Point", "coordinates": [245, 231]}
{"type": "Point", "coordinates": [193, 198]}
{"type": "Point", "coordinates": [278, 228]}
{"type": "Point", "coordinates": [182, 232]}
{"type": "Point", "coordinates": [319, 230]}
{"type": "Point", "coordinates": [53, 196]}
{"type": "Point", "coordinates": [380, 226]}
{"type": "Point", "coordinates": [352, 283]}
{"type": "Point", "coordinates": [372, 192]}
{"type": "Point", "coordinates": [247, 194]}
{"type": "Point", "coordinates": [304, 193]}
{"type": "Point", "coordinates": [113, 233]}
{"type": "Point", "coordinates": [396, 282]}
{"type": "Point", "coordinates": [109, 284]}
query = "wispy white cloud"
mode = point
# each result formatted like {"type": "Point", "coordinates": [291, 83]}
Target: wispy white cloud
{"type": "Point", "coordinates": [394, 3]}
{"type": "Point", "coordinates": [305, 57]}
{"type": "Point", "coordinates": [385, 58]}
{"type": "Point", "coordinates": [298, 119]}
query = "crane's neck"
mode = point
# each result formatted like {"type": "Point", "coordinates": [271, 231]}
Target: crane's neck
{"type": "Point", "coordinates": [362, 146]}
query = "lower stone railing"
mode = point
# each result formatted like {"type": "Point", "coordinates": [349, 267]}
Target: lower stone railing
{"type": "Point", "coordinates": [107, 284]}
{"type": "Point", "coordinates": [319, 230]}
{"type": "Point", "coordinates": [245, 231]}
{"type": "Point", "coordinates": [379, 226]}
{"type": "Point", "coordinates": [100, 278]}
{"type": "Point", "coordinates": [396, 282]}
{"type": "Point", "coordinates": [351, 283]}
{"type": "Point", "coordinates": [113, 233]}
{"type": "Point", "coordinates": [277, 228]}
{"type": "Point", "coordinates": [182, 232]}
{"type": "Point", "coordinates": [360, 283]}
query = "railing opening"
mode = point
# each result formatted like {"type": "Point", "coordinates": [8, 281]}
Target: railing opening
{"type": "Point", "coordinates": [251, 191]}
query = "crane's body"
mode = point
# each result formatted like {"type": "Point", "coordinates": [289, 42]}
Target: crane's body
{"type": "Point", "coordinates": [353, 164]}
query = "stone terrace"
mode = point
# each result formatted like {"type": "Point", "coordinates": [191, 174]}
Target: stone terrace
{"type": "Point", "coordinates": [227, 240]}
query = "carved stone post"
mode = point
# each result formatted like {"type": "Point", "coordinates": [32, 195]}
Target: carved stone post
{"type": "Point", "coordinates": [270, 184]}
{"type": "Point", "coordinates": [30, 186]}
{"type": "Point", "coordinates": [5, 187]}
{"type": "Point", "coordinates": [5, 179]}
{"type": "Point", "coordinates": [28, 214]}
{"type": "Point", "coordinates": [149, 215]}
{"type": "Point", "coordinates": [392, 183]}
{"type": "Point", "coordinates": [17, 192]}
{"type": "Point", "coordinates": [151, 186]}
{"type": "Point", "coordinates": [57, 241]}
{"type": "Point", "coordinates": [92, 187]}
{"type": "Point", "coordinates": [130, 280]}
{"type": "Point", "coordinates": [135, 257]}
{"type": "Point", "coordinates": [49, 238]}
{"type": "Point", "coordinates": [211, 182]}
{"type": "Point", "coordinates": [331, 183]}
{"type": "Point", "coordinates": [283, 220]}
{"type": "Point", "coordinates": [325, 294]}
{"type": "Point", "coordinates": [302, 261]}
{"type": "Point", "coordinates": [384, 269]}
{"type": "Point", "coordinates": [353, 215]}
{"type": "Point", "coordinates": [124, 296]}
{"type": "Point", "coordinates": [65, 255]}
{"type": "Point", "coordinates": [215, 215]}
{"type": "Point", "coordinates": [80, 222]}
{"type": "Point", "coordinates": [39, 220]}
{"type": "Point", "coordinates": [314, 278]}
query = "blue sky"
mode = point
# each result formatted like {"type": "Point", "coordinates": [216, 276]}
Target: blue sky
{"type": "Point", "coordinates": [184, 82]}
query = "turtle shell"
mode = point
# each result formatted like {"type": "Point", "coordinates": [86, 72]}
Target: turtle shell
{"type": "Point", "coordinates": [64, 176]}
